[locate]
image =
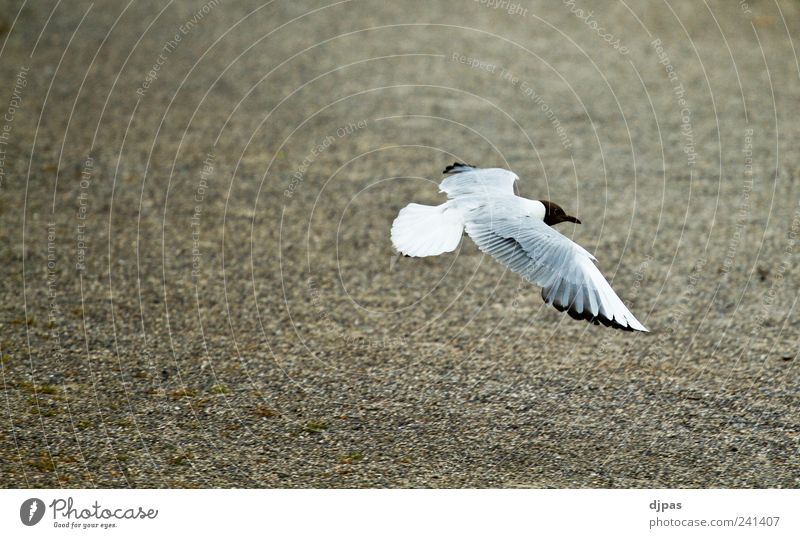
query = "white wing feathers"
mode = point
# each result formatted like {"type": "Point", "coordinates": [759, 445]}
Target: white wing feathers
{"type": "Point", "coordinates": [466, 180]}
{"type": "Point", "coordinates": [423, 230]}
{"type": "Point", "coordinates": [569, 279]}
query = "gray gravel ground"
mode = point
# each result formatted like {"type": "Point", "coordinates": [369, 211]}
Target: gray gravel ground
{"type": "Point", "coordinates": [198, 287]}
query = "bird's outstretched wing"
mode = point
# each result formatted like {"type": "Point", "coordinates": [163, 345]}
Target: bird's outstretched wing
{"type": "Point", "coordinates": [465, 180]}
{"type": "Point", "coordinates": [566, 272]}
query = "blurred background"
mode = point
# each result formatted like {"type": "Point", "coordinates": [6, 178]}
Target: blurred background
{"type": "Point", "coordinates": [198, 288]}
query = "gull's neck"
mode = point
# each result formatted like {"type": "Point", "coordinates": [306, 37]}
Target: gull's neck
{"type": "Point", "coordinates": [534, 208]}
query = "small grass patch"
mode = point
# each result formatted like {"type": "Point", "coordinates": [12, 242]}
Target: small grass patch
{"type": "Point", "coordinates": [185, 392]}
{"type": "Point", "coordinates": [316, 426]}
{"type": "Point", "coordinates": [44, 388]}
{"type": "Point", "coordinates": [30, 321]}
{"type": "Point", "coordinates": [48, 389]}
{"type": "Point", "coordinates": [352, 457]}
{"type": "Point", "coordinates": [43, 463]}
{"type": "Point", "coordinates": [220, 389]}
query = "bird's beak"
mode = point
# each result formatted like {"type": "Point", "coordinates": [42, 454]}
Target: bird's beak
{"type": "Point", "coordinates": [572, 219]}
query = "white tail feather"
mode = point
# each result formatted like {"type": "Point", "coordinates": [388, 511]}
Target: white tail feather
{"type": "Point", "coordinates": [424, 230]}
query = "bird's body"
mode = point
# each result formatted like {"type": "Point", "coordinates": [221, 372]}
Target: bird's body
{"type": "Point", "coordinates": [518, 233]}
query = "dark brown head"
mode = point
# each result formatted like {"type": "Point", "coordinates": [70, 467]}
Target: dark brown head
{"type": "Point", "coordinates": [553, 214]}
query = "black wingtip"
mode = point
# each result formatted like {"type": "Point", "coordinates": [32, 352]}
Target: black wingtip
{"type": "Point", "coordinates": [457, 167]}
{"type": "Point", "coordinates": [596, 320]}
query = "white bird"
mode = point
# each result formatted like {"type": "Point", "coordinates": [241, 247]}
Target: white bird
{"type": "Point", "coordinates": [518, 233]}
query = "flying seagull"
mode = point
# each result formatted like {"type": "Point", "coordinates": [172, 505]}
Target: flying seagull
{"type": "Point", "coordinates": [518, 233]}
